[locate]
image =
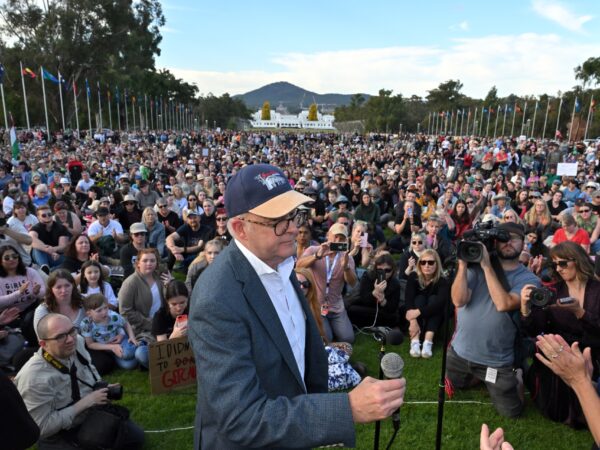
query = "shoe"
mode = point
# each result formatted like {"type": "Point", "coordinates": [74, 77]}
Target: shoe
{"type": "Point", "coordinates": [415, 349]}
{"type": "Point", "coordinates": [44, 268]}
{"type": "Point", "coordinates": [426, 352]}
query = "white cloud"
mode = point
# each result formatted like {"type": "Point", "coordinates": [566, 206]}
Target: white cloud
{"type": "Point", "coordinates": [463, 26]}
{"type": "Point", "coordinates": [170, 30]}
{"type": "Point", "coordinates": [558, 12]}
{"type": "Point", "coordinates": [521, 64]}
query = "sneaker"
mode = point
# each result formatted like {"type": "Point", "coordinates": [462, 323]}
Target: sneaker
{"type": "Point", "coordinates": [415, 349]}
{"type": "Point", "coordinates": [426, 352]}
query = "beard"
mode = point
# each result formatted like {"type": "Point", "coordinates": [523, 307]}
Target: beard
{"type": "Point", "coordinates": [508, 252]}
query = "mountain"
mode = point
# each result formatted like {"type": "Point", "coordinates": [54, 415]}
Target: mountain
{"type": "Point", "coordinates": [293, 98]}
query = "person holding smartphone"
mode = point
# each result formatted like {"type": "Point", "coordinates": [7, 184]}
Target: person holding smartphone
{"type": "Point", "coordinates": [574, 313]}
{"type": "Point", "coordinates": [332, 267]}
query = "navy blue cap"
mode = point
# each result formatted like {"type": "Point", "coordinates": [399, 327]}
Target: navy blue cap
{"type": "Point", "coordinates": [263, 190]}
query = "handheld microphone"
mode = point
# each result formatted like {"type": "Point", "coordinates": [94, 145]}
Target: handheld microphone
{"type": "Point", "coordinates": [386, 335]}
{"type": "Point", "coordinates": [392, 366]}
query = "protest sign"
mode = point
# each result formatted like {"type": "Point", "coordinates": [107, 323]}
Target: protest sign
{"type": "Point", "coordinates": [567, 169]}
{"type": "Point", "coordinates": [172, 365]}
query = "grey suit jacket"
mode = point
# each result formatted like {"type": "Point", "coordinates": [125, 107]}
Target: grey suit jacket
{"type": "Point", "coordinates": [250, 394]}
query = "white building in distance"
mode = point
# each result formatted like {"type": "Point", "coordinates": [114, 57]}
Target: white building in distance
{"type": "Point", "coordinates": [278, 120]}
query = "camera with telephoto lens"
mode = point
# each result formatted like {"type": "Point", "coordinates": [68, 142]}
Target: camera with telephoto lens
{"type": "Point", "coordinates": [115, 392]}
{"type": "Point", "coordinates": [542, 297]}
{"type": "Point", "coordinates": [470, 248]}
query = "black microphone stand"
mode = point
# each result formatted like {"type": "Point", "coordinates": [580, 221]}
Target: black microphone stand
{"type": "Point", "coordinates": [442, 384]}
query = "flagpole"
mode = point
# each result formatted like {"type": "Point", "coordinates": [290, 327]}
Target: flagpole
{"type": "Point", "coordinates": [62, 108]}
{"type": "Point", "coordinates": [133, 110]}
{"type": "Point", "coordinates": [451, 121]}
{"type": "Point", "coordinates": [468, 121]}
{"type": "Point", "coordinates": [496, 121]}
{"type": "Point", "coordinates": [462, 121]}
{"type": "Point", "coordinates": [87, 96]}
{"type": "Point", "coordinates": [25, 96]}
{"type": "Point", "coordinates": [126, 115]}
{"type": "Point", "coordinates": [487, 127]}
{"type": "Point", "coordinates": [141, 122]}
{"type": "Point", "coordinates": [118, 100]}
{"type": "Point", "coordinates": [109, 111]}
{"type": "Point", "coordinates": [523, 121]}
{"type": "Point", "coordinates": [75, 103]}
{"type": "Point", "coordinates": [481, 121]}
{"type": "Point", "coordinates": [45, 105]}
{"type": "Point", "coordinates": [572, 119]}
{"type": "Point", "coordinates": [535, 108]}
{"type": "Point", "coordinates": [587, 121]}
{"type": "Point", "coordinates": [99, 104]}
{"type": "Point", "coordinates": [546, 119]}
{"type": "Point", "coordinates": [4, 106]}
{"type": "Point", "coordinates": [558, 116]}
{"type": "Point", "coordinates": [504, 121]}
{"type": "Point", "coordinates": [512, 128]}
{"type": "Point", "coordinates": [151, 115]}
{"type": "Point", "coordinates": [146, 111]}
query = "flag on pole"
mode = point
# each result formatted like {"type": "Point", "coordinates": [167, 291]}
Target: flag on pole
{"type": "Point", "coordinates": [577, 105]}
{"type": "Point", "coordinates": [87, 88]}
{"type": "Point", "coordinates": [593, 106]}
{"type": "Point", "coordinates": [14, 143]}
{"type": "Point", "coordinates": [48, 76]}
{"type": "Point", "coordinates": [1, 73]}
{"type": "Point", "coordinates": [518, 109]}
{"type": "Point", "coordinates": [30, 73]}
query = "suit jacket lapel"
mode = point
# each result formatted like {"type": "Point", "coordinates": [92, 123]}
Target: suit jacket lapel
{"type": "Point", "coordinates": [260, 302]}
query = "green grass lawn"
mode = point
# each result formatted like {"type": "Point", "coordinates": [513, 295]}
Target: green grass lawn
{"type": "Point", "coordinates": [462, 421]}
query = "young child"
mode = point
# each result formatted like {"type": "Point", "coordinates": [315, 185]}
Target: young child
{"type": "Point", "coordinates": [104, 329]}
{"type": "Point", "coordinates": [92, 282]}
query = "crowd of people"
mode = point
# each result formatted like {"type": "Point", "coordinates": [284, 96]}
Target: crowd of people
{"type": "Point", "coordinates": [92, 234]}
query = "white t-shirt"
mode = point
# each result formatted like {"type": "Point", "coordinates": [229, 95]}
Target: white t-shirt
{"type": "Point", "coordinates": [108, 293]}
{"type": "Point", "coordinates": [96, 228]}
{"type": "Point", "coordinates": [156, 304]}
{"type": "Point", "coordinates": [85, 185]}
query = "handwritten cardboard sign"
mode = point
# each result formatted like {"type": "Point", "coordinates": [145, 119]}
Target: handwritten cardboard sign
{"type": "Point", "coordinates": [172, 365]}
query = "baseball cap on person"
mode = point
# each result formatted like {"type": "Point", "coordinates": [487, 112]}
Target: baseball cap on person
{"type": "Point", "coordinates": [137, 227]}
{"type": "Point", "coordinates": [339, 228]}
{"type": "Point", "coordinates": [264, 190]}
{"type": "Point", "coordinates": [65, 181]}
{"type": "Point", "coordinates": [512, 227]}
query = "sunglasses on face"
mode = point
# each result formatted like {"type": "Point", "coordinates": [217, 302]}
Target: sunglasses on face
{"type": "Point", "coordinates": [386, 270]}
{"type": "Point", "coordinates": [222, 219]}
{"type": "Point", "coordinates": [584, 210]}
{"type": "Point", "coordinates": [562, 264]}
{"type": "Point", "coordinates": [304, 284]}
{"type": "Point", "coordinates": [9, 257]}
{"type": "Point", "coordinates": [162, 206]}
{"type": "Point", "coordinates": [417, 242]}
{"type": "Point", "coordinates": [469, 203]}
{"type": "Point", "coordinates": [46, 215]}
{"type": "Point", "coordinates": [139, 234]}
{"type": "Point", "coordinates": [426, 262]}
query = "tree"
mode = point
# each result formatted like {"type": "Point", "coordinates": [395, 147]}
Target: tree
{"type": "Point", "coordinates": [491, 99]}
{"type": "Point", "coordinates": [446, 96]}
{"type": "Point", "coordinates": [266, 111]}
{"type": "Point", "coordinates": [312, 113]}
{"type": "Point", "coordinates": [589, 71]}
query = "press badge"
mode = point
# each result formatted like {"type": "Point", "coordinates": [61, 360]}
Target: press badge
{"type": "Point", "coordinates": [490, 375]}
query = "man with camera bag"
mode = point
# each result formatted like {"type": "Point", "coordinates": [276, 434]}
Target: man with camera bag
{"type": "Point", "coordinates": [62, 389]}
{"type": "Point", "coordinates": [487, 301]}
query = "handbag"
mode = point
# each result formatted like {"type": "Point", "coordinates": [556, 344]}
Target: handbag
{"type": "Point", "coordinates": [105, 426]}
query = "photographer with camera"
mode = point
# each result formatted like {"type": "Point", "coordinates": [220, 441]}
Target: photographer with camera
{"type": "Point", "coordinates": [483, 347]}
{"type": "Point", "coordinates": [332, 268]}
{"type": "Point", "coordinates": [63, 392]}
{"type": "Point", "coordinates": [571, 309]}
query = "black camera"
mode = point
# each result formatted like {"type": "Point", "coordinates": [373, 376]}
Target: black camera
{"type": "Point", "coordinates": [470, 248]}
{"type": "Point", "coordinates": [115, 392]}
{"type": "Point", "coordinates": [541, 297]}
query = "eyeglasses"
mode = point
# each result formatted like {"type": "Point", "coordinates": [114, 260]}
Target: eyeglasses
{"type": "Point", "coordinates": [469, 203]}
{"type": "Point", "coordinates": [9, 257]}
{"type": "Point", "coordinates": [427, 262]}
{"type": "Point", "coordinates": [222, 219]}
{"type": "Point", "coordinates": [162, 206]}
{"type": "Point", "coordinates": [386, 270]}
{"type": "Point", "coordinates": [281, 226]}
{"type": "Point", "coordinates": [192, 199]}
{"type": "Point", "coordinates": [562, 264]}
{"type": "Point", "coordinates": [46, 215]}
{"type": "Point", "coordinates": [584, 210]}
{"type": "Point", "coordinates": [304, 284]}
{"type": "Point", "coordinates": [417, 242]}
{"type": "Point", "coordinates": [62, 337]}
{"type": "Point", "coordinates": [344, 223]}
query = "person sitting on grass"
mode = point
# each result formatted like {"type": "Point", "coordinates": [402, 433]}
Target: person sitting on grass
{"type": "Point", "coordinates": [427, 294]}
{"type": "Point", "coordinates": [92, 282]}
{"type": "Point", "coordinates": [104, 329]}
{"type": "Point", "coordinates": [170, 321]}
{"type": "Point", "coordinates": [202, 261]}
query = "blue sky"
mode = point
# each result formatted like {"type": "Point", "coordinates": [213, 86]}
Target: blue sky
{"type": "Point", "coordinates": [522, 47]}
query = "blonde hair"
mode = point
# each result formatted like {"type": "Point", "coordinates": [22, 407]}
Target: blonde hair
{"type": "Point", "coordinates": [533, 218]}
{"type": "Point", "coordinates": [201, 258]}
{"type": "Point", "coordinates": [438, 268]}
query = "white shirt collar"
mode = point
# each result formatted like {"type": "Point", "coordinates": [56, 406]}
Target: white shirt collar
{"type": "Point", "coordinates": [284, 269]}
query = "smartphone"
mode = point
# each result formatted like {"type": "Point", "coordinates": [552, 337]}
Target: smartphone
{"type": "Point", "coordinates": [380, 276]}
{"type": "Point", "coordinates": [338, 246]}
{"type": "Point", "coordinates": [181, 321]}
{"type": "Point", "coordinates": [409, 211]}
{"type": "Point", "coordinates": [565, 301]}
{"type": "Point", "coordinates": [364, 239]}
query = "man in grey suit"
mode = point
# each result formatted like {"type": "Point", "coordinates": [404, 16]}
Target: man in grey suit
{"type": "Point", "coordinates": [261, 364]}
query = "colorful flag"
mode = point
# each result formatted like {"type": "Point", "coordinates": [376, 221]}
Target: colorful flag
{"type": "Point", "coordinates": [30, 73]}
{"type": "Point", "coordinates": [485, 110]}
{"type": "Point", "coordinates": [1, 74]}
{"type": "Point", "coordinates": [518, 109]}
{"type": "Point", "coordinates": [48, 76]}
{"type": "Point", "coordinates": [87, 88]}
{"type": "Point", "coordinates": [492, 110]}
{"type": "Point", "coordinates": [593, 106]}
{"type": "Point", "coordinates": [14, 143]}
{"type": "Point", "coordinates": [577, 105]}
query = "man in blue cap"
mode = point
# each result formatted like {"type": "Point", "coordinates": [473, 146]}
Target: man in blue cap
{"type": "Point", "coordinates": [262, 368]}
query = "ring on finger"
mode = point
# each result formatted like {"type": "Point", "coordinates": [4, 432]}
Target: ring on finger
{"type": "Point", "coordinates": [555, 355]}
{"type": "Point", "coordinates": [560, 349]}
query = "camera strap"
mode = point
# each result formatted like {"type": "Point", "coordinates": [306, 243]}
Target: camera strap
{"type": "Point", "coordinates": [75, 396]}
